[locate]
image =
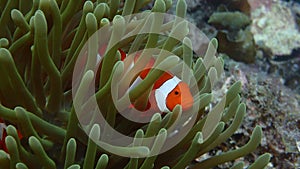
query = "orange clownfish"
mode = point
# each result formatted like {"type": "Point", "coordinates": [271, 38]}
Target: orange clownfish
{"type": "Point", "coordinates": [167, 91]}
{"type": "Point", "coordinates": [3, 135]}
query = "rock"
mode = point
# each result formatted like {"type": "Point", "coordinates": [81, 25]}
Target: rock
{"type": "Point", "coordinates": [229, 20]}
{"type": "Point", "coordinates": [234, 36]}
{"type": "Point", "coordinates": [271, 105]}
{"type": "Point", "coordinates": [238, 45]}
{"type": "Point", "coordinates": [274, 27]}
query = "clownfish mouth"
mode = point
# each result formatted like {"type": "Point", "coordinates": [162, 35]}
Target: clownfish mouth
{"type": "Point", "coordinates": [187, 105]}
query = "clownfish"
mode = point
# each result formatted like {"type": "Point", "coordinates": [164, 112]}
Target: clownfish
{"type": "Point", "coordinates": [3, 135]}
{"type": "Point", "coordinates": [167, 92]}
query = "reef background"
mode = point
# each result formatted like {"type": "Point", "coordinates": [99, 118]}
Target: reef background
{"type": "Point", "coordinates": [270, 81]}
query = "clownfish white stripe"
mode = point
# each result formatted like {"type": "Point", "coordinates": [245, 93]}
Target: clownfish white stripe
{"type": "Point", "coordinates": [162, 92]}
{"type": "Point", "coordinates": [137, 81]}
{"type": "Point", "coordinates": [98, 58]}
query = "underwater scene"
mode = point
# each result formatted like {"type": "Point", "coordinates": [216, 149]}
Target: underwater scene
{"type": "Point", "coordinates": [149, 84]}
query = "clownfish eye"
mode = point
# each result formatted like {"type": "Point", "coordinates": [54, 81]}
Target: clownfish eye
{"type": "Point", "coordinates": [176, 92]}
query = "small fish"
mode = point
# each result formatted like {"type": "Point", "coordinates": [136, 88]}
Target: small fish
{"type": "Point", "coordinates": [168, 90]}
{"type": "Point", "coordinates": [3, 135]}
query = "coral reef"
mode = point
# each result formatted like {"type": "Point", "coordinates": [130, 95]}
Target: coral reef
{"type": "Point", "coordinates": [274, 27]}
{"type": "Point", "coordinates": [270, 104]}
{"type": "Point", "coordinates": [41, 42]}
{"type": "Point", "coordinates": [233, 32]}
{"type": "Point", "coordinates": [266, 84]}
